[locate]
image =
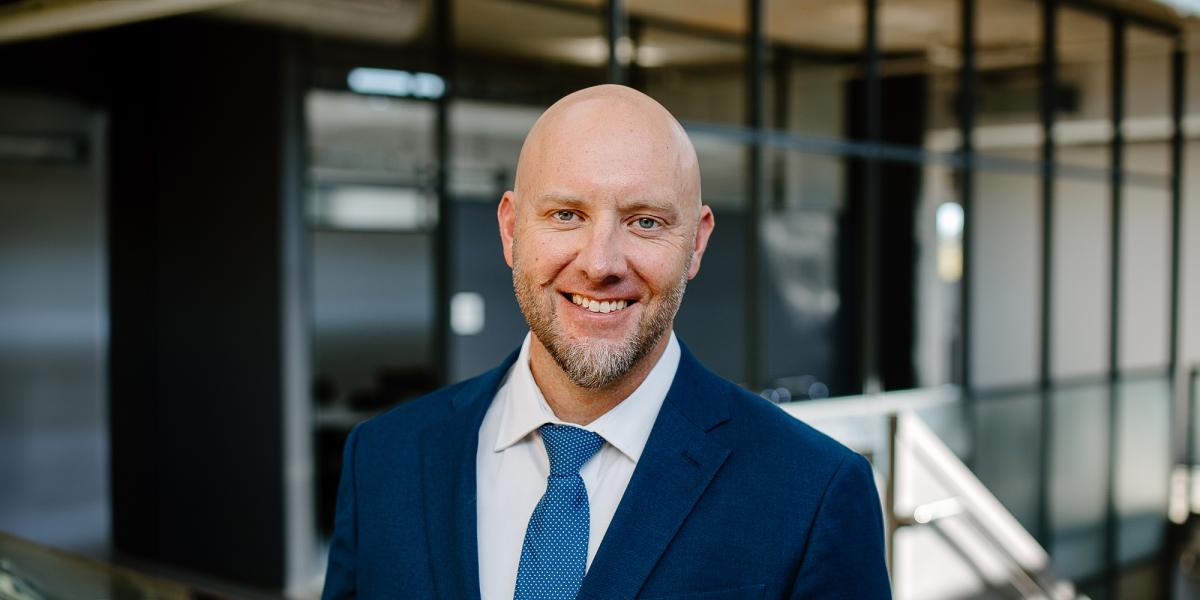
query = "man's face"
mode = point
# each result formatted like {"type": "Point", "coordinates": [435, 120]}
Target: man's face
{"type": "Point", "coordinates": [603, 241]}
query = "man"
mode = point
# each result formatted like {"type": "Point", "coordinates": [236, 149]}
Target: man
{"type": "Point", "coordinates": [601, 460]}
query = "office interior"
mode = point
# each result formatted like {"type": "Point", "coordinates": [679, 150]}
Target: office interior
{"type": "Point", "coordinates": [230, 230]}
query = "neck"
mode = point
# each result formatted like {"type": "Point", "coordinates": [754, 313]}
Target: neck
{"type": "Point", "coordinates": [580, 405]}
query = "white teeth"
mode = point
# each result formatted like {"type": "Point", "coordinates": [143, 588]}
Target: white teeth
{"type": "Point", "coordinates": [598, 306]}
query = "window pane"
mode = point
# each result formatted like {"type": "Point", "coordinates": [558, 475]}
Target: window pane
{"type": "Point", "coordinates": [804, 279]}
{"type": "Point", "coordinates": [523, 52]}
{"type": "Point", "coordinates": [1078, 479]}
{"type": "Point", "coordinates": [1005, 295]}
{"type": "Point", "coordinates": [1007, 451]}
{"type": "Point", "coordinates": [697, 77]}
{"type": "Point", "coordinates": [711, 320]}
{"type": "Point", "coordinates": [815, 52]}
{"type": "Point", "coordinates": [1147, 124]}
{"type": "Point", "coordinates": [1145, 277]}
{"type": "Point", "coordinates": [1009, 49]}
{"type": "Point", "coordinates": [486, 141]}
{"type": "Point", "coordinates": [1083, 107]}
{"type": "Point", "coordinates": [370, 218]}
{"type": "Point", "coordinates": [1080, 279]}
{"type": "Point", "coordinates": [939, 234]}
{"type": "Point", "coordinates": [1143, 466]}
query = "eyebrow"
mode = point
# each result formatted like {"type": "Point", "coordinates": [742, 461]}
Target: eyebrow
{"type": "Point", "coordinates": [572, 201]}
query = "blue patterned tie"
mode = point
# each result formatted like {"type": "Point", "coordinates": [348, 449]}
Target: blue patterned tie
{"type": "Point", "coordinates": [554, 555]}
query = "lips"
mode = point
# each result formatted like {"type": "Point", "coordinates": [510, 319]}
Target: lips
{"type": "Point", "coordinates": [598, 306]}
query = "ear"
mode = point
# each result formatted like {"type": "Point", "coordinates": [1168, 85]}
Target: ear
{"type": "Point", "coordinates": [703, 231]}
{"type": "Point", "coordinates": [506, 215]}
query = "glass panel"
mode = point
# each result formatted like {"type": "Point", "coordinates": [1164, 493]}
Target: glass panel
{"type": "Point", "coordinates": [1083, 107]}
{"type": "Point", "coordinates": [1147, 101]}
{"type": "Point", "coordinates": [717, 294]}
{"type": "Point", "coordinates": [1006, 288]}
{"type": "Point", "coordinates": [526, 52]}
{"type": "Point", "coordinates": [487, 139]}
{"type": "Point", "coordinates": [803, 279]}
{"type": "Point", "coordinates": [1078, 479]}
{"type": "Point", "coordinates": [1007, 450]}
{"type": "Point", "coordinates": [716, 18]}
{"type": "Point", "coordinates": [371, 212]}
{"type": "Point", "coordinates": [921, 46]}
{"type": "Point", "coordinates": [809, 93]}
{"type": "Point", "coordinates": [1009, 46]}
{"type": "Point", "coordinates": [939, 232]}
{"type": "Point", "coordinates": [816, 51]}
{"type": "Point", "coordinates": [697, 78]}
{"type": "Point", "coordinates": [1190, 276]}
{"type": "Point", "coordinates": [1143, 466]}
{"type": "Point", "coordinates": [1145, 277]}
{"type": "Point", "coordinates": [1008, 40]}
{"type": "Point", "coordinates": [1080, 293]}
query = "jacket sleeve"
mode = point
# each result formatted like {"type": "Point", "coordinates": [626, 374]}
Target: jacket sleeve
{"type": "Point", "coordinates": [844, 556]}
{"type": "Point", "coordinates": [340, 576]}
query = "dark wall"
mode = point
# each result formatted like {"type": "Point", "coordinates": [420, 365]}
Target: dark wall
{"type": "Point", "coordinates": [903, 111]}
{"type": "Point", "coordinates": [197, 211]}
{"type": "Point", "coordinates": [201, 136]}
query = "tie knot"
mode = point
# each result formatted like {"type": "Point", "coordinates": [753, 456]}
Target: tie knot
{"type": "Point", "coordinates": [569, 447]}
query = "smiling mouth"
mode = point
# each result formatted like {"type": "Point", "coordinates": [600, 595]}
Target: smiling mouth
{"type": "Point", "coordinates": [598, 306]}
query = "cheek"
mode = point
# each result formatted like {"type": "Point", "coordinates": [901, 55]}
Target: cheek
{"type": "Point", "coordinates": [660, 269]}
{"type": "Point", "coordinates": [544, 256]}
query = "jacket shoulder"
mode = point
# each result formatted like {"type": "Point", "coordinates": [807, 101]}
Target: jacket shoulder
{"type": "Point", "coordinates": [764, 427]}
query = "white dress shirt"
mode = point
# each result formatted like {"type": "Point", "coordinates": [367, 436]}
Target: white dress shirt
{"type": "Point", "coordinates": [511, 465]}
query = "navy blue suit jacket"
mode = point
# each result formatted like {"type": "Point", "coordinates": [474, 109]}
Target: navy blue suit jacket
{"type": "Point", "coordinates": [731, 498]}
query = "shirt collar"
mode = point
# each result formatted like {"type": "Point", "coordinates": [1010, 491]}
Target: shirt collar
{"type": "Point", "coordinates": [626, 426]}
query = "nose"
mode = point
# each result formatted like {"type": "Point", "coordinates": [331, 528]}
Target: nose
{"type": "Point", "coordinates": [602, 257]}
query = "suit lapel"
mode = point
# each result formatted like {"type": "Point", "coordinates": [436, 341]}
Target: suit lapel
{"type": "Point", "coordinates": [448, 481]}
{"type": "Point", "coordinates": [677, 465]}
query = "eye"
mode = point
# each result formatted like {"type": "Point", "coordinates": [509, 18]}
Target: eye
{"type": "Point", "coordinates": [565, 216]}
{"type": "Point", "coordinates": [647, 223]}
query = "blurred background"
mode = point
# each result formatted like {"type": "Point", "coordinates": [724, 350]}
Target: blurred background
{"type": "Point", "coordinates": [232, 229]}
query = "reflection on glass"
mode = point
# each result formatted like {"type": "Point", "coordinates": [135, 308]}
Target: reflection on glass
{"type": "Point", "coordinates": [1143, 466]}
{"type": "Point", "coordinates": [1007, 447]}
{"type": "Point", "coordinates": [801, 277]}
{"type": "Point", "coordinates": [1078, 479]}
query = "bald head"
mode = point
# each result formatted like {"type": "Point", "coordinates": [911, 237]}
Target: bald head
{"type": "Point", "coordinates": [612, 127]}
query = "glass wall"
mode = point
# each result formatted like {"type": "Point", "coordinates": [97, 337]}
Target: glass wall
{"type": "Point", "coordinates": [862, 235]}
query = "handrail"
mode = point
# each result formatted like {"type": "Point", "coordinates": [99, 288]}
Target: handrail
{"type": "Point", "coordinates": [1025, 563]}
{"type": "Point", "coordinates": [1029, 563]}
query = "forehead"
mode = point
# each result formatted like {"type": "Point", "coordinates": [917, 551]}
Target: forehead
{"type": "Point", "coordinates": [604, 146]}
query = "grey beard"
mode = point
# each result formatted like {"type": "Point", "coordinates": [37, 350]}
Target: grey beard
{"type": "Point", "coordinates": [597, 365]}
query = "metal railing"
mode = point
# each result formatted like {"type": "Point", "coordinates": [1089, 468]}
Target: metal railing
{"type": "Point", "coordinates": [926, 488]}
